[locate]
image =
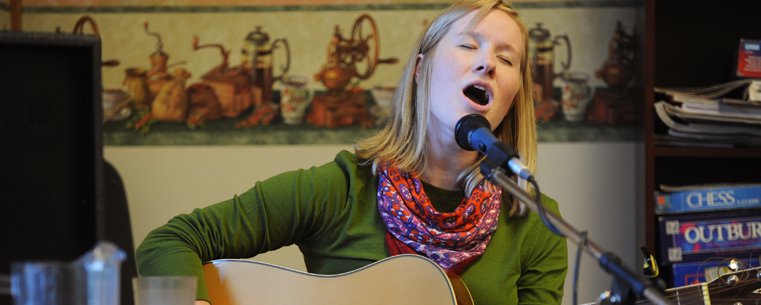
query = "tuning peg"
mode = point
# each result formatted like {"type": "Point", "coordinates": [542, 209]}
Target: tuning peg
{"type": "Point", "coordinates": [734, 265]}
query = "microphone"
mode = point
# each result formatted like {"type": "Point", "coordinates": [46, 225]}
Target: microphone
{"type": "Point", "coordinates": [473, 132]}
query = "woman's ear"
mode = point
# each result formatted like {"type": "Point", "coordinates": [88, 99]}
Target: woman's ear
{"type": "Point", "coordinates": [418, 62]}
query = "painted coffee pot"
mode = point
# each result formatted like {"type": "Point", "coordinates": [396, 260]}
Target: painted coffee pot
{"type": "Point", "coordinates": [541, 49]}
{"type": "Point", "coordinates": [258, 59]}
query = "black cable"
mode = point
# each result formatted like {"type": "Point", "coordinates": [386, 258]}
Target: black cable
{"type": "Point", "coordinates": [582, 244]}
{"type": "Point", "coordinates": [540, 208]}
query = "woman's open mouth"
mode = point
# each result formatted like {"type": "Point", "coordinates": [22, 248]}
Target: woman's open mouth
{"type": "Point", "coordinates": [477, 94]}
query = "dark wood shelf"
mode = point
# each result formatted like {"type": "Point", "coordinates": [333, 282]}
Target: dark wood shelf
{"type": "Point", "coordinates": [692, 44]}
{"type": "Point", "coordinates": [666, 151]}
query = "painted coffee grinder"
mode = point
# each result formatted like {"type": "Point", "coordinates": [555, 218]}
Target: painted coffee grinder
{"type": "Point", "coordinates": [348, 58]}
{"type": "Point", "coordinates": [158, 74]}
{"type": "Point", "coordinates": [619, 102]}
{"type": "Point", "coordinates": [258, 60]}
{"type": "Point", "coordinates": [229, 84]}
{"type": "Point", "coordinates": [542, 52]}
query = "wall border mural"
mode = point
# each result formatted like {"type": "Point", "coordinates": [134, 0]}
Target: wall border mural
{"type": "Point", "coordinates": [599, 46]}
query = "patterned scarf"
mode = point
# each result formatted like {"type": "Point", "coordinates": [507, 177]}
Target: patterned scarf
{"type": "Point", "coordinates": [452, 240]}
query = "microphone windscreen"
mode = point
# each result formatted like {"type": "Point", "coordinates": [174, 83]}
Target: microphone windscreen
{"type": "Point", "coordinates": [466, 126]}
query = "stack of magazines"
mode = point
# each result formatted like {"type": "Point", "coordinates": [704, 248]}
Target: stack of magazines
{"type": "Point", "coordinates": [724, 115]}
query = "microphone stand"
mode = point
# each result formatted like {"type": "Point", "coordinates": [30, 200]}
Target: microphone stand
{"type": "Point", "coordinates": [610, 262]}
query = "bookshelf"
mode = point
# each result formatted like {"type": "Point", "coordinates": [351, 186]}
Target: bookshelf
{"type": "Point", "coordinates": [689, 44]}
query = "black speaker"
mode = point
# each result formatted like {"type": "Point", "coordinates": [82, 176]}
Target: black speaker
{"type": "Point", "coordinates": [51, 168]}
{"type": "Point", "coordinates": [118, 228]}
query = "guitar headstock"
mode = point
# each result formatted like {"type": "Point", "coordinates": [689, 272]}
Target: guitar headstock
{"type": "Point", "coordinates": [734, 287]}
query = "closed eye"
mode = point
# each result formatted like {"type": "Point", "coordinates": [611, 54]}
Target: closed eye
{"type": "Point", "coordinates": [467, 46]}
{"type": "Point", "coordinates": [507, 61]}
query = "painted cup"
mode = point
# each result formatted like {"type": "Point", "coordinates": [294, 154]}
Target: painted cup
{"type": "Point", "coordinates": [576, 95]}
{"type": "Point", "coordinates": [113, 101]}
{"type": "Point", "coordinates": [294, 98]}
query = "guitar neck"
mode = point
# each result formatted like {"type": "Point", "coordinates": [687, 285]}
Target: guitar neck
{"type": "Point", "coordinates": [693, 294]}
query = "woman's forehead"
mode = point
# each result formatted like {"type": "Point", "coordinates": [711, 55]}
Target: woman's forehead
{"type": "Point", "coordinates": [479, 14]}
{"type": "Point", "coordinates": [466, 25]}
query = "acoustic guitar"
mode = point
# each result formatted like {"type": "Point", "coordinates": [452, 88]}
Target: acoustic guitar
{"type": "Point", "coordinates": [401, 279]}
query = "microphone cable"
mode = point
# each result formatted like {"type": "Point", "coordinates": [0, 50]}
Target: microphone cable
{"type": "Point", "coordinates": [540, 207]}
{"type": "Point", "coordinates": [582, 244]}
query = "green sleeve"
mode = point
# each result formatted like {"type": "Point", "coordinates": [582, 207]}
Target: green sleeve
{"type": "Point", "coordinates": [283, 210]}
{"type": "Point", "coordinates": [543, 274]}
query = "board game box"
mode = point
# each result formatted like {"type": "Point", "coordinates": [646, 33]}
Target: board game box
{"type": "Point", "coordinates": [697, 237]}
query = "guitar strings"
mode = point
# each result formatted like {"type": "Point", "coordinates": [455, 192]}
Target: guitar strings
{"type": "Point", "coordinates": [725, 285]}
{"type": "Point", "coordinates": [697, 297]}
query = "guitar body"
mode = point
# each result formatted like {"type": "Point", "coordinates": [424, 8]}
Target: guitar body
{"type": "Point", "coordinates": [401, 279]}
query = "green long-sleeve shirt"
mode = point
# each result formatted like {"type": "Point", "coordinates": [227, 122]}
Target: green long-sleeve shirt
{"type": "Point", "coordinates": [331, 213]}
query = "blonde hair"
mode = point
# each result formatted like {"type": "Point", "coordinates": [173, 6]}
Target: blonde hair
{"type": "Point", "coordinates": [401, 142]}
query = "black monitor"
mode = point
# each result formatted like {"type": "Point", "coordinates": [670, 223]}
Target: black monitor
{"type": "Point", "coordinates": [51, 184]}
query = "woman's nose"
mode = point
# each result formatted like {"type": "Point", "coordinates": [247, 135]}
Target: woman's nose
{"type": "Point", "coordinates": [485, 66]}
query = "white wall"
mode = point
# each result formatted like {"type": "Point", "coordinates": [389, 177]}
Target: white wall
{"type": "Point", "coordinates": [595, 184]}
{"type": "Point", "coordinates": [596, 187]}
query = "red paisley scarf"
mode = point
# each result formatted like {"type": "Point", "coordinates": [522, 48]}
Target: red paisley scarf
{"type": "Point", "coordinates": [452, 240]}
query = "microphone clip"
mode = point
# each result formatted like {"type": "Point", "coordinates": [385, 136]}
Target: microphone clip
{"type": "Point", "coordinates": [489, 169]}
{"type": "Point", "coordinates": [500, 153]}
